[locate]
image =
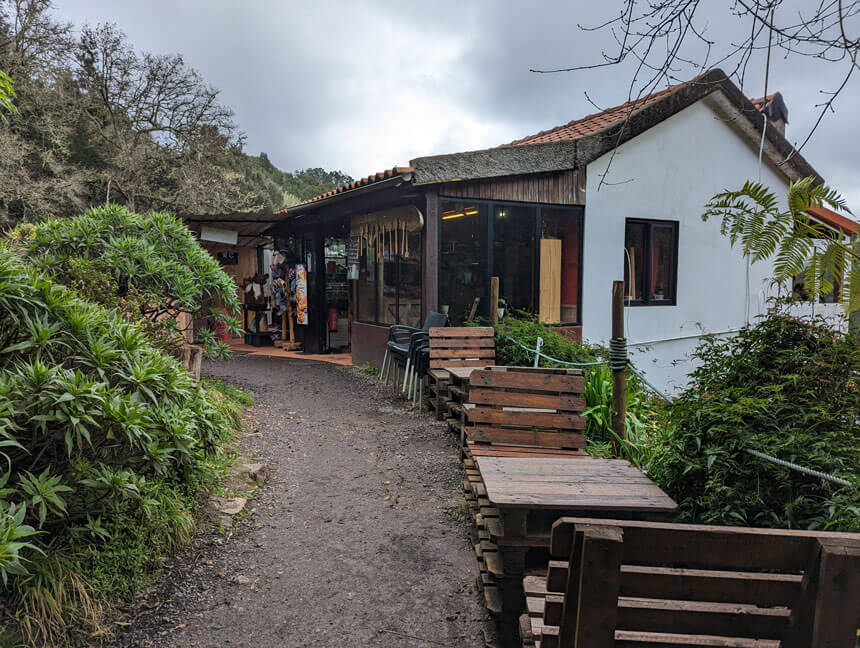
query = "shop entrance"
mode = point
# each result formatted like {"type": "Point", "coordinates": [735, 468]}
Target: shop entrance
{"type": "Point", "coordinates": [336, 293]}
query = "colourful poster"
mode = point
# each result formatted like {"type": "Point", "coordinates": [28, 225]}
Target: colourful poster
{"type": "Point", "coordinates": [301, 294]}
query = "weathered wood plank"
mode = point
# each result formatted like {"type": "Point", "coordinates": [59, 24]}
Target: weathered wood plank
{"type": "Point", "coordinates": [567, 384]}
{"type": "Point", "coordinates": [527, 437]}
{"type": "Point", "coordinates": [527, 419]}
{"type": "Point", "coordinates": [560, 402]}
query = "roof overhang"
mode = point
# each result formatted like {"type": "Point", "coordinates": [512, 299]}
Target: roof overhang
{"type": "Point", "coordinates": [297, 211]}
{"type": "Point", "coordinates": [834, 221]}
{"type": "Point", "coordinates": [250, 227]}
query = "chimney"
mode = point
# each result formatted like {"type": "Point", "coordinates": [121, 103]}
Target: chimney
{"type": "Point", "coordinates": [774, 107]}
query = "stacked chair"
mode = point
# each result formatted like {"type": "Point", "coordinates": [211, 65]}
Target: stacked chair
{"type": "Point", "coordinates": [403, 349]}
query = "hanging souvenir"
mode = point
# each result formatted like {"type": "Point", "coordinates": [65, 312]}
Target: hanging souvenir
{"type": "Point", "coordinates": [301, 295]}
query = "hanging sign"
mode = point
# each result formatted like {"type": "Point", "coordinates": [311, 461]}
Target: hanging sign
{"type": "Point", "coordinates": [301, 294]}
{"type": "Point", "coordinates": [354, 252]}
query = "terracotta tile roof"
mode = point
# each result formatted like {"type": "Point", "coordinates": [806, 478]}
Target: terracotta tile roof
{"type": "Point", "coordinates": [355, 184]}
{"type": "Point", "coordinates": [597, 122]}
{"type": "Point", "coordinates": [834, 220]}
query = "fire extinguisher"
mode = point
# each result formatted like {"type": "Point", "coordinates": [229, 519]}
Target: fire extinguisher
{"type": "Point", "coordinates": [332, 319]}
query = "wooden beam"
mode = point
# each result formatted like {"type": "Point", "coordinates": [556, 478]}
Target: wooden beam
{"type": "Point", "coordinates": [431, 252]}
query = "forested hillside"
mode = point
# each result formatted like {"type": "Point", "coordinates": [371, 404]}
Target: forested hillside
{"type": "Point", "coordinates": [96, 121]}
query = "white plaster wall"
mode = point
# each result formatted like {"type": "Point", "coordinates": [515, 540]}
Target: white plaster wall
{"type": "Point", "coordinates": [669, 173]}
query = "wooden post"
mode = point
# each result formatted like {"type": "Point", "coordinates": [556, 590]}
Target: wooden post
{"type": "Point", "coordinates": [619, 378]}
{"type": "Point", "coordinates": [494, 300]}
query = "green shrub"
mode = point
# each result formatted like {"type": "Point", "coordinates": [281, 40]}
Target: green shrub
{"type": "Point", "coordinates": [787, 388]}
{"type": "Point", "coordinates": [149, 268]}
{"type": "Point", "coordinates": [105, 443]}
{"type": "Point", "coordinates": [523, 330]}
{"type": "Point", "coordinates": [642, 418]}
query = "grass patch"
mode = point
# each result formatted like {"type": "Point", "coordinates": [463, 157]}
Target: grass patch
{"type": "Point", "coordinates": [369, 370]}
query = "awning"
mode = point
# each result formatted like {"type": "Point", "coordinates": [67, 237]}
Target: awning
{"type": "Point", "coordinates": [248, 226]}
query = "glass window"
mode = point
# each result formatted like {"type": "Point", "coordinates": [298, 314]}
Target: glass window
{"type": "Point", "coordinates": [650, 262]}
{"type": "Point", "coordinates": [514, 255]}
{"type": "Point", "coordinates": [389, 284]}
{"type": "Point", "coordinates": [566, 226]}
{"type": "Point", "coordinates": [367, 285]}
{"type": "Point", "coordinates": [410, 279]}
{"type": "Point", "coordinates": [463, 276]}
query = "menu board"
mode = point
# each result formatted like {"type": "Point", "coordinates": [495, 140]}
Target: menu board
{"type": "Point", "coordinates": [354, 252]}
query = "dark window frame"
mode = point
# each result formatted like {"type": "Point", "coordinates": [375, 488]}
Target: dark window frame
{"type": "Point", "coordinates": [648, 280]}
{"type": "Point", "coordinates": [539, 206]}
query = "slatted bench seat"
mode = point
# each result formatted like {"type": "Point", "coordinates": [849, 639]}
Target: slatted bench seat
{"type": "Point", "coordinates": [626, 584]}
{"type": "Point", "coordinates": [453, 347]}
{"type": "Point", "coordinates": [521, 411]}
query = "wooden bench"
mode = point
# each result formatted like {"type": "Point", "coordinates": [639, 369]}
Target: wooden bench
{"type": "Point", "coordinates": [454, 347]}
{"type": "Point", "coordinates": [626, 584]}
{"type": "Point", "coordinates": [520, 411]}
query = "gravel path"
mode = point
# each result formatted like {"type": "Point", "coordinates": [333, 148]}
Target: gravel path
{"type": "Point", "coordinates": [353, 541]}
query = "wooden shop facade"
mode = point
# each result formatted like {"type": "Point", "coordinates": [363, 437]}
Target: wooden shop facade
{"type": "Point", "coordinates": [387, 249]}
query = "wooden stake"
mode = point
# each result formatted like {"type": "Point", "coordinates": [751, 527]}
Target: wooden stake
{"type": "Point", "coordinates": [619, 378]}
{"type": "Point", "coordinates": [494, 300]}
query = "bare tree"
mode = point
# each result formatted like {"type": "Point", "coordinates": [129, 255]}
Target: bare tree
{"type": "Point", "coordinates": [666, 40]}
{"type": "Point", "coordinates": [146, 108]}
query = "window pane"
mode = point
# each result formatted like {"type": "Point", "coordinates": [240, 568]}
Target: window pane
{"type": "Point", "coordinates": [513, 255]}
{"type": "Point", "coordinates": [463, 259]}
{"type": "Point", "coordinates": [565, 224]}
{"type": "Point", "coordinates": [388, 272]}
{"type": "Point", "coordinates": [662, 262]}
{"type": "Point", "coordinates": [367, 285]}
{"type": "Point", "coordinates": [410, 279]}
{"type": "Point", "coordinates": [634, 260]}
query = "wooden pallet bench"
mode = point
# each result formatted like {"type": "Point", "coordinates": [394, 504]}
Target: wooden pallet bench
{"type": "Point", "coordinates": [456, 347]}
{"type": "Point", "coordinates": [626, 584]}
{"type": "Point", "coordinates": [520, 411]}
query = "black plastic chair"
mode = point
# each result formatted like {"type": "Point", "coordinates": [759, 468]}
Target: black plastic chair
{"type": "Point", "coordinates": [399, 340]}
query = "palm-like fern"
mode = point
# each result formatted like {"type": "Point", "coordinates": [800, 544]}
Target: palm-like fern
{"type": "Point", "coordinates": [799, 246]}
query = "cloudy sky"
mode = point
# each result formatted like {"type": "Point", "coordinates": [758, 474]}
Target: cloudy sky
{"type": "Point", "coordinates": [365, 85]}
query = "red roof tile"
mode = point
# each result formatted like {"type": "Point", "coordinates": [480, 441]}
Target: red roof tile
{"type": "Point", "coordinates": [762, 102]}
{"type": "Point", "coordinates": [834, 220]}
{"type": "Point", "coordinates": [355, 184]}
{"type": "Point", "coordinates": [591, 124]}
{"type": "Point", "coordinates": [597, 122]}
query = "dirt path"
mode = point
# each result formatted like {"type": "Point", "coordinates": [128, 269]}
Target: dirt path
{"type": "Point", "coordinates": [351, 542]}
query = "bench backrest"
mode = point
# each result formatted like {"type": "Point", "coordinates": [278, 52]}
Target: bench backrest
{"type": "Point", "coordinates": [462, 346]}
{"type": "Point", "coordinates": [613, 582]}
{"type": "Point", "coordinates": [527, 407]}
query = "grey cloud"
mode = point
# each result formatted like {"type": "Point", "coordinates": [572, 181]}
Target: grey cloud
{"type": "Point", "coordinates": [345, 85]}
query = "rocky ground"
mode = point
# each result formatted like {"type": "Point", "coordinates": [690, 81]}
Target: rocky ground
{"type": "Point", "coordinates": [357, 537]}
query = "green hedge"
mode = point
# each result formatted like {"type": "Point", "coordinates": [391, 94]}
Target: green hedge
{"type": "Point", "coordinates": [785, 387]}
{"type": "Point", "coordinates": [105, 443]}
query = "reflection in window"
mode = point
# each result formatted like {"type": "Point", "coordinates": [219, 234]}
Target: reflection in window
{"type": "Point", "coordinates": [566, 225]}
{"type": "Point", "coordinates": [514, 255]}
{"type": "Point", "coordinates": [651, 249]}
{"type": "Point", "coordinates": [410, 279]}
{"type": "Point", "coordinates": [367, 285]}
{"type": "Point", "coordinates": [463, 260]}
{"type": "Point", "coordinates": [389, 284]}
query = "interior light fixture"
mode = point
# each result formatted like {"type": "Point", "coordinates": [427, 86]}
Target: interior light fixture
{"type": "Point", "coordinates": [471, 211]}
{"type": "Point", "coordinates": [453, 215]}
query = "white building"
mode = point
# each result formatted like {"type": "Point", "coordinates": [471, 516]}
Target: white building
{"type": "Point", "coordinates": [536, 214]}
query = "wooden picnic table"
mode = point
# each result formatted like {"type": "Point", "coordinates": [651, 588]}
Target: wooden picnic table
{"type": "Point", "coordinates": [581, 484]}
{"type": "Point", "coordinates": [515, 501]}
